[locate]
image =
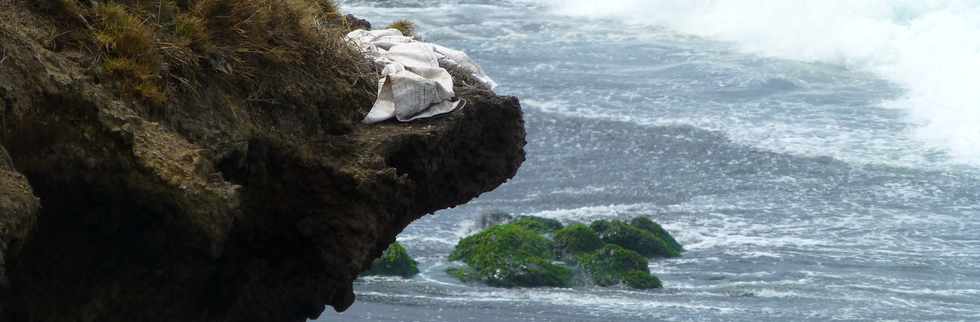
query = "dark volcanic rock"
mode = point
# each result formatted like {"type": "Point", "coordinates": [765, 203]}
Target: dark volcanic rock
{"type": "Point", "coordinates": [357, 23]}
{"type": "Point", "coordinates": [218, 206]}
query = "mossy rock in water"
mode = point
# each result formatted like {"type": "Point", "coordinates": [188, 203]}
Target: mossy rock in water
{"type": "Point", "coordinates": [394, 262]}
{"type": "Point", "coordinates": [636, 239]}
{"type": "Point", "coordinates": [657, 230]}
{"type": "Point", "coordinates": [609, 265]}
{"type": "Point", "coordinates": [464, 274]}
{"type": "Point", "coordinates": [538, 224]}
{"type": "Point", "coordinates": [510, 255]}
{"type": "Point", "coordinates": [577, 239]}
{"type": "Point", "coordinates": [641, 280]}
{"type": "Point", "coordinates": [493, 218]}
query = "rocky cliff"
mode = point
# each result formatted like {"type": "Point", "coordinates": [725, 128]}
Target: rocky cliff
{"type": "Point", "coordinates": [254, 198]}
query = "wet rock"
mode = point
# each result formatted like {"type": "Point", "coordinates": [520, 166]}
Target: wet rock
{"type": "Point", "coordinates": [394, 262]}
{"type": "Point", "coordinates": [538, 224]}
{"type": "Point", "coordinates": [509, 255]}
{"type": "Point", "coordinates": [493, 218]}
{"type": "Point", "coordinates": [357, 23]}
{"type": "Point", "coordinates": [577, 239]}
{"type": "Point", "coordinates": [633, 238]}
{"type": "Point", "coordinates": [609, 265]}
{"type": "Point", "coordinates": [658, 231]}
{"type": "Point", "coordinates": [641, 280]}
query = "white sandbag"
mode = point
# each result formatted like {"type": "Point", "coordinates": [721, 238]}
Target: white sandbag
{"type": "Point", "coordinates": [414, 83]}
{"type": "Point", "coordinates": [454, 58]}
{"type": "Point", "coordinates": [383, 39]}
{"type": "Point", "coordinates": [408, 94]}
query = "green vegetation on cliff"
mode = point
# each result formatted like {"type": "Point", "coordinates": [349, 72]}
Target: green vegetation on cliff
{"type": "Point", "coordinates": [394, 262]}
{"type": "Point", "coordinates": [156, 50]}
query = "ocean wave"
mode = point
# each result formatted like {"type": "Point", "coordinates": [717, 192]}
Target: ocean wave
{"type": "Point", "coordinates": [930, 48]}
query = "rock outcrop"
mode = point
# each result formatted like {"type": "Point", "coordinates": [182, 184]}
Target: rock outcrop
{"type": "Point", "coordinates": [18, 213]}
{"type": "Point", "coordinates": [533, 252]}
{"type": "Point", "coordinates": [394, 262]}
{"type": "Point", "coordinates": [217, 206]}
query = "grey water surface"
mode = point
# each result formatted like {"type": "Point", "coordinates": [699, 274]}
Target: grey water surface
{"type": "Point", "coordinates": [797, 195]}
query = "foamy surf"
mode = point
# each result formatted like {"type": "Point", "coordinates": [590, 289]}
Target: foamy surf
{"type": "Point", "coordinates": [929, 48]}
{"type": "Point", "coordinates": [794, 171]}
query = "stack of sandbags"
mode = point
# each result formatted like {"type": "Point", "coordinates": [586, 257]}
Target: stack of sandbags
{"type": "Point", "coordinates": [414, 83]}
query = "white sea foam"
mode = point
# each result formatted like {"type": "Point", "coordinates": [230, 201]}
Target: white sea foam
{"type": "Point", "coordinates": [929, 47]}
{"type": "Point", "coordinates": [589, 214]}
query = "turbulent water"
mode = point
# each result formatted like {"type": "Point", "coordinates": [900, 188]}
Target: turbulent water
{"type": "Point", "coordinates": [820, 160]}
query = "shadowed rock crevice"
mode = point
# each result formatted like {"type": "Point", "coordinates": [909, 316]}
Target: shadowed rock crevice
{"type": "Point", "coordinates": [18, 214]}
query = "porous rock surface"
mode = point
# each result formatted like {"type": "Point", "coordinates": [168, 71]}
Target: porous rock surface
{"type": "Point", "coordinates": [219, 210]}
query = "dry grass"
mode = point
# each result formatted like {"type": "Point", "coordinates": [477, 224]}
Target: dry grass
{"type": "Point", "coordinates": [130, 49]}
{"type": "Point", "coordinates": [153, 49]}
{"type": "Point", "coordinates": [406, 27]}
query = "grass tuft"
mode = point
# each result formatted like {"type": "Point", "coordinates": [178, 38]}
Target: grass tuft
{"type": "Point", "coordinates": [130, 51]}
{"type": "Point", "coordinates": [327, 13]}
{"type": "Point", "coordinates": [406, 27]}
{"type": "Point", "coordinates": [190, 31]}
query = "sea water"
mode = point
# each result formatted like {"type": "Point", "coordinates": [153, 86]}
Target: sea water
{"type": "Point", "coordinates": [819, 160]}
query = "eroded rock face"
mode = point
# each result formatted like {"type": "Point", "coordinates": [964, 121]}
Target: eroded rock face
{"type": "Point", "coordinates": [215, 208]}
{"type": "Point", "coordinates": [18, 212]}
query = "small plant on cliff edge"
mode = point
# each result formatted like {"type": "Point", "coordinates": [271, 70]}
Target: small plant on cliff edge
{"type": "Point", "coordinates": [130, 51]}
{"type": "Point", "coordinates": [406, 27]}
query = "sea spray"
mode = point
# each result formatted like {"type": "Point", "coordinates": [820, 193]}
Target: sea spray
{"type": "Point", "coordinates": [929, 48]}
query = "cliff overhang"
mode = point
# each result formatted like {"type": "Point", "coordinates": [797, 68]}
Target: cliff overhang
{"type": "Point", "coordinates": [218, 205]}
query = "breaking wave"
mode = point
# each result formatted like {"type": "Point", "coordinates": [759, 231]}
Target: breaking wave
{"type": "Point", "coordinates": [929, 48]}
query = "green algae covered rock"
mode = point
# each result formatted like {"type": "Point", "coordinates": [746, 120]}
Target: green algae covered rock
{"type": "Point", "coordinates": [657, 230]}
{"type": "Point", "coordinates": [509, 255]}
{"type": "Point", "coordinates": [641, 280]}
{"type": "Point", "coordinates": [522, 253]}
{"type": "Point", "coordinates": [464, 274]}
{"type": "Point", "coordinates": [577, 239]}
{"type": "Point", "coordinates": [394, 262]}
{"type": "Point", "coordinates": [538, 224]}
{"type": "Point", "coordinates": [633, 238]}
{"type": "Point", "coordinates": [608, 265]}
{"type": "Point", "coordinates": [493, 218]}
